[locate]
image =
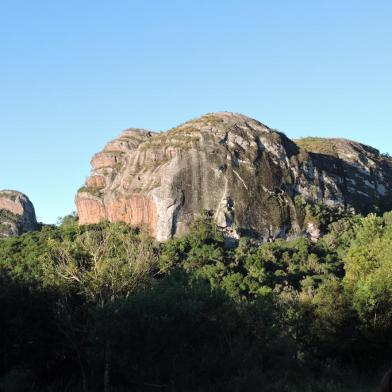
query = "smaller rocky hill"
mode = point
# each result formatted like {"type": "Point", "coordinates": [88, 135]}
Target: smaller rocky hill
{"type": "Point", "coordinates": [17, 214]}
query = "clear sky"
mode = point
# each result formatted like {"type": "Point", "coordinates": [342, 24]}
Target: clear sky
{"type": "Point", "coordinates": [74, 73]}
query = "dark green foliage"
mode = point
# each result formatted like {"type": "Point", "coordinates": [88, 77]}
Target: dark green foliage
{"type": "Point", "coordinates": [322, 216]}
{"type": "Point", "coordinates": [8, 216]}
{"type": "Point", "coordinates": [92, 307]}
{"type": "Point", "coordinates": [385, 203]}
{"type": "Point", "coordinates": [8, 220]}
{"type": "Point", "coordinates": [186, 333]}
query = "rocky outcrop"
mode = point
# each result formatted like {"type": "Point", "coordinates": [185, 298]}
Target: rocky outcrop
{"type": "Point", "coordinates": [254, 179]}
{"type": "Point", "coordinates": [17, 214]}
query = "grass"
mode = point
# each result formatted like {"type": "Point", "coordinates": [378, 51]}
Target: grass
{"type": "Point", "coordinates": [318, 145]}
{"type": "Point", "coordinates": [212, 119]}
{"type": "Point", "coordinates": [175, 138]}
{"type": "Point", "coordinates": [92, 190]}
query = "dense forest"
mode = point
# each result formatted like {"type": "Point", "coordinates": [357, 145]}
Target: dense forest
{"type": "Point", "coordinates": [106, 308]}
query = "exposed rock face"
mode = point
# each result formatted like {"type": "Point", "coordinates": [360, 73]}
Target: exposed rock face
{"type": "Point", "coordinates": [17, 214]}
{"type": "Point", "coordinates": [249, 175]}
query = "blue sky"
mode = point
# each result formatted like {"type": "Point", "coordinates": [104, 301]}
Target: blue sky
{"type": "Point", "coordinates": [73, 74]}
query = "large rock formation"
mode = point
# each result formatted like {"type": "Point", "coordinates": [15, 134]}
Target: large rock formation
{"type": "Point", "coordinates": [254, 179]}
{"type": "Point", "coordinates": [17, 214]}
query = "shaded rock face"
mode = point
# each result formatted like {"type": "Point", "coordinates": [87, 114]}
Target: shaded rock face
{"type": "Point", "coordinates": [247, 174]}
{"type": "Point", "coordinates": [17, 214]}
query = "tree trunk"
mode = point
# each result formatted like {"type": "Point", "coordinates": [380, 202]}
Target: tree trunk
{"type": "Point", "coordinates": [108, 363]}
{"type": "Point", "coordinates": [83, 374]}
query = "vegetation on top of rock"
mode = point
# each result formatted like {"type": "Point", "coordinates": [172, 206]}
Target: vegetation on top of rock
{"type": "Point", "coordinates": [92, 190]}
{"type": "Point", "coordinates": [9, 216]}
{"type": "Point", "coordinates": [318, 145]}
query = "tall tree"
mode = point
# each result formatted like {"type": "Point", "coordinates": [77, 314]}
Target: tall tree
{"type": "Point", "coordinates": [103, 264]}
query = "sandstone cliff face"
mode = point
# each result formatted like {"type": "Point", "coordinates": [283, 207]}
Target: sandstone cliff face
{"type": "Point", "coordinates": [247, 174]}
{"type": "Point", "coordinates": [17, 214]}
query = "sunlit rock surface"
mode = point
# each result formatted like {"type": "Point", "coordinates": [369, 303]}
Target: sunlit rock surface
{"type": "Point", "coordinates": [249, 175]}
